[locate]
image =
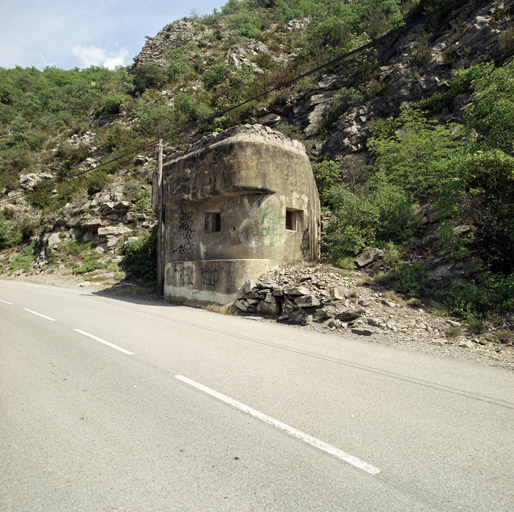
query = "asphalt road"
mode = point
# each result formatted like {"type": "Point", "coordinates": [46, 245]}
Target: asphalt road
{"type": "Point", "coordinates": [118, 404]}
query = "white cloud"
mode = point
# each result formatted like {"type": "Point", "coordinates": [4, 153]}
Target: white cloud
{"type": "Point", "coordinates": [94, 56]}
{"type": "Point", "coordinates": [117, 59]}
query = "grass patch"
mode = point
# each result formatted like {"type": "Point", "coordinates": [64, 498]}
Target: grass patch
{"type": "Point", "coordinates": [24, 259]}
{"type": "Point", "coordinates": [88, 266]}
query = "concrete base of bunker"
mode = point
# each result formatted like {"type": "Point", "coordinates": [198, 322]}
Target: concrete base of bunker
{"type": "Point", "coordinates": [210, 281]}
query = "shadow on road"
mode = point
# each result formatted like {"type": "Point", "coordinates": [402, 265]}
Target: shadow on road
{"type": "Point", "coordinates": [129, 291]}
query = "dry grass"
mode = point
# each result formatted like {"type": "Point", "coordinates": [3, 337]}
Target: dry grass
{"type": "Point", "coordinates": [222, 309]}
{"type": "Point", "coordinates": [392, 296]}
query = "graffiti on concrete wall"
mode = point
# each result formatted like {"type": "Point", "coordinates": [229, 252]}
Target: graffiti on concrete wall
{"type": "Point", "coordinates": [201, 281]}
{"type": "Point", "coordinates": [184, 223]}
{"type": "Point", "coordinates": [180, 275]}
{"type": "Point", "coordinates": [210, 276]}
{"type": "Point", "coordinates": [265, 224]}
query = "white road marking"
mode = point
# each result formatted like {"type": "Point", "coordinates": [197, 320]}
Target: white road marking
{"type": "Point", "coordinates": [112, 345]}
{"type": "Point", "coordinates": [332, 450]}
{"type": "Point", "coordinates": [39, 314]}
{"type": "Point", "coordinates": [5, 302]}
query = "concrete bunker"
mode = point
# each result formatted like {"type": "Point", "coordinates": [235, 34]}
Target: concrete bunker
{"type": "Point", "coordinates": [233, 206]}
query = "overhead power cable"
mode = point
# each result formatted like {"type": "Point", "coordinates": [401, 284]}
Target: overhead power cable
{"type": "Point", "coordinates": [194, 125]}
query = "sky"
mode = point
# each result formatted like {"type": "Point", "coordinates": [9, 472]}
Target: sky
{"type": "Point", "coordinates": [82, 33]}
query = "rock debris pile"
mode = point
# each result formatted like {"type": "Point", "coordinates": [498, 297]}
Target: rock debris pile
{"type": "Point", "coordinates": [324, 299]}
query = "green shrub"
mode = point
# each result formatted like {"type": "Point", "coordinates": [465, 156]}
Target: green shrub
{"type": "Point", "coordinates": [460, 83]}
{"type": "Point", "coordinates": [231, 7]}
{"type": "Point", "coordinates": [9, 235]}
{"type": "Point", "coordinates": [375, 214]}
{"type": "Point", "coordinates": [152, 115]}
{"type": "Point", "coordinates": [482, 193]}
{"type": "Point", "coordinates": [492, 111]}
{"type": "Point", "coordinates": [473, 299]}
{"type": "Point", "coordinates": [72, 154]}
{"type": "Point", "coordinates": [140, 260]}
{"type": "Point", "coordinates": [228, 84]}
{"type": "Point", "coordinates": [67, 190]}
{"type": "Point", "coordinates": [353, 226]}
{"type": "Point", "coordinates": [96, 181]}
{"type": "Point", "coordinates": [111, 104]}
{"type": "Point", "coordinates": [178, 64]}
{"type": "Point", "coordinates": [415, 155]}
{"type": "Point", "coordinates": [118, 138]}
{"type": "Point", "coordinates": [139, 194]}
{"type": "Point", "coordinates": [215, 76]}
{"type": "Point", "coordinates": [74, 248]}
{"type": "Point", "coordinates": [506, 42]}
{"type": "Point", "coordinates": [422, 52]}
{"type": "Point", "coordinates": [41, 196]}
{"type": "Point", "coordinates": [190, 109]}
{"type": "Point", "coordinates": [327, 174]}
{"type": "Point", "coordinates": [149, 76]}
{"type": "Point", "coordinates": [246, 23]}
{"type": "Point", "coordinates": [412, 279]}
{"type": "Point", "coordinates": [397, 222]}
{"type": "Point", "coordinates": [340, 103]}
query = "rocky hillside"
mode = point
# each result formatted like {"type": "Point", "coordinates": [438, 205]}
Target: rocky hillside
{"type": "Point", "coordinates": [402, 137]}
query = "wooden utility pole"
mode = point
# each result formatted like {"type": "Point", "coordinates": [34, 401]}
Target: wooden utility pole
{"type": "Point", "coordinates": [160, 225]}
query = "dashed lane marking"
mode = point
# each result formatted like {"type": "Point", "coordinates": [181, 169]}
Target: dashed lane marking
{"type": "Point", "coordinates": [39, 314]}
{"type": "Point", "coordinates": [321, 445]}
{"type": "Point", "coordinates": [112, 345]}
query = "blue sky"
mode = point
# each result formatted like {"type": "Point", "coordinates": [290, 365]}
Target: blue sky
{"type": "Point", "coordinates": [81, 33]}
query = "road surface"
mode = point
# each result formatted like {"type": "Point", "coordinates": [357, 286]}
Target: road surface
{"type": "Point", "coordinates": [116, 404]}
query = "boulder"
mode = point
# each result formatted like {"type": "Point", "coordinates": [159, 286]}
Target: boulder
{"type": "Point", "coordinates": [349, 316]}
{"type": "Point", "coordinates": [338, 293]}
{"type": "Point", "coordinates": [368, 256]}
{"type": "Point", "coordinates": [307, 301]}
{"type": "Point", "coordinates": [267, 308]}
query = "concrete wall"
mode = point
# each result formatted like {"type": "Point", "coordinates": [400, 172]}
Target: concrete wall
{"type": "Point", "coordinates": [235, 205]}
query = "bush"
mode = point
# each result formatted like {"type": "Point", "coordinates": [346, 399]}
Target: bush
{"type": "Point", "coordinates": [178, 64]}
{"type": "Point", "coordinates": [488, 292]}
{"type": "Point", "coordinates": [189, 108]}
{"type": "Point", "coordinates": [9, 235]}
{"type": "Point", "coordinates": [412, 279]}
{"type": "Point", "coordinates": [416, 154]}
{"type": "Point", "coordinates": [139, 194]}
{"type": "Point", "coordinates": [41, 195]}
{"type": "Point", "coordinates": [153, 117]}
{"type": "Point", "coordinates": [492, 111]}
{"type": "Point", "coordinates": [72, 154]}
{"type": "Point", "coordinates": [482, 193]}
{"type": "Point", "coordinates": [375, 214]}
{"type": "Point", "coordinates": [246, 23]}
{"type": "Point", "coordinates": [111, 104]}
{"type": "Point", "coordinates": [506, 42]}
{"type": "Point", "coordinates": [147, 76]}
{"type": "Point", "coordinates": [340, 103]}
{"type": "Point", "coordinates": [140, 260]}
{"type": "Point", "coordinates": [353, 226]}
{"type": "Point", "coordinates": [96, 181]}
{"type": "Point", "coordinates": [215, 76]}
{"type": "Point", "coordinates": [327, 174]}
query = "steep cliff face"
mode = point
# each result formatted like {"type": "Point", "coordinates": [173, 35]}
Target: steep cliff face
{"type": "Point", "coordinates": [407, 67]}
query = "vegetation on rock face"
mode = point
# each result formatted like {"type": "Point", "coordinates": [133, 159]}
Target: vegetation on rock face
{"type": "Point", "coordinates": [465, 170]}
{"type": "Point", "coordinates": [58, 124]}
